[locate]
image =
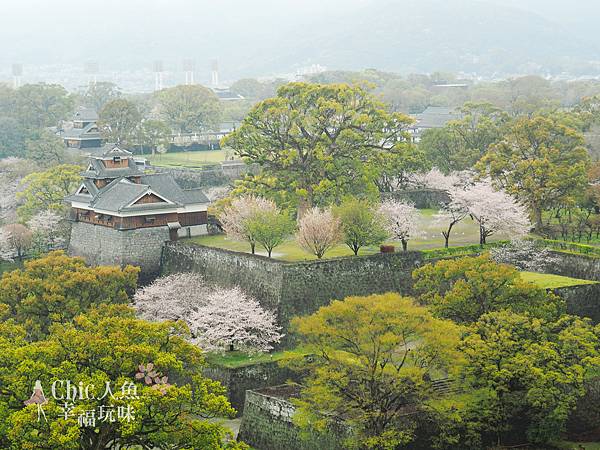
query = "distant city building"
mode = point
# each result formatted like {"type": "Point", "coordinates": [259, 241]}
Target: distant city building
{"type": "Point", "coordinates": [225, 94]}
{"type": "Point", "coordinates": [84, 133]}
{"type": "Point", "coordinates": [433, 117]}
{"type": "Point", "coordinates": [122, 215]}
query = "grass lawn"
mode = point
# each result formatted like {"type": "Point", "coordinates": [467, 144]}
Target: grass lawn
{"type": "Point", "coordinates": [549, 281]}
{"type": "Point", "coordinates": [7, 266]}
{"type": "Point", "coordinates": [566, 445]}
{"type": "Point", "coordinates": [465, 233]}
{"type": "Point", "coordinates": [191, 160]}
{"type": "Point", "coordinates": [233, 360]}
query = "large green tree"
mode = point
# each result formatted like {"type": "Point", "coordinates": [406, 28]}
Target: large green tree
{"type": "Point", "coordinates": [119, 120]}
{"type": "Point", "coordinates": [466, 288]}
{"type": "Point", "coordinates": [158, 398]}
{"type": "Point", "coordinates": [155, 134]}
{"type": "Point", "coordinates": [317, 140]}
{"type": "Point", "coordinates": [541, 162]}
{"type": "Point", "coordinates": [56, 288]}
{"type": "Point", "coordinates": [373, 360]}
{"type": "Point", "coordinates": [42, 105]}
{"type": "Point", "coordinates": [47, 189]}
{"type": "Point", "coordinates": [46, 149]}
{"type": "Point", "coordinates": [12, 137]}
{"type": "Point", "coordinates": [530, 373]}
{"type": "Point", "coordinates": [98, 94]}
{"type": "Point", "coordinates": [189, 109]}
{"type": "Point", "coordinates": [461, 143]}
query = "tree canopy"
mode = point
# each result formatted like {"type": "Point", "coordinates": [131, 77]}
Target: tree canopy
{"type": "Point", "coordinates": [56, 288]}
{"type": "Point", "coordinates": [317, 140]}
{"type": "Point", "coordinates": [189, 109]}
{"type": "Point", "coordinates": [466, 288]}
{"type": "Point", "coordinates": [541, 162]}
{"type": "Point", "coordinates": [372, 362]}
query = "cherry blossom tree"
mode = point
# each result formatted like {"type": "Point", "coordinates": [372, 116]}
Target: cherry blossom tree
{"type": "Point", "coordinates": [434, 179]}
{"type": "Point", "coordinates": [172, 297]}
{"type": "Point", "coordinates": [46, 229]}
{"type": "Point", "coordinates": [218, 318]}
{"type": "Point", "coordinates": [451, 213]}
{"type": "Point", "coordinates": [237, 217]}
{"type": "Point", "coordinates": [525, 254]}
{"type": "Point", "coordinates": [400, 220]}
{"type": "Point", "coordinates": [18, 239]}
{"type": "Point", "coordinates": [12, 171]}
{"type": "Point", "coordinates": [494, 211]}
{"type": "Point", "coordinates": [6, 254]}
{"type": "Point", "coordinates": [231, 320]}
{"type": "Point", "coordinates": [319, 231]}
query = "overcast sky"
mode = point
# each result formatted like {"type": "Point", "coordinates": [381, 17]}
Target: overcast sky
{"type": "Point", "coordinates": [131, 33]}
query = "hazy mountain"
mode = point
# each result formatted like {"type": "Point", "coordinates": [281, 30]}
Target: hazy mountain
{"type": "Point", "coordinates": [263, 37]}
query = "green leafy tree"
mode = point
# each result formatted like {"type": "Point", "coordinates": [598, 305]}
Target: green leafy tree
{"type": "Point", "coordinates": [373, 359]}
{"type": "Point", "coordinates": [56, 288]}
{"type": "Point", "coordinates": [394, 167]}
{"type": "Point", "coordinates": [12, 137]}
{"type": "Point", "coordinates": [155, 134]}
{"type": "Point", "coordinates": [46, 149]}
{"type": "Point", "coordinates": [466, 288]}
{"type": "Point", "coordinates": [42, 105]}
{"type": "Point", "coordinates": [189, 109]}
{"type": "Point", "coordinates": [270, 228]}
{"type": "Point", "coordinates": [98, 94]}
{"type": "Point", "coordinates": [362, 224]}
{"type": "Point", "coordinates": [541, 162]}
{"type": "Point", "coordinates": [460, 144]}
{"type": "Point", "coordinates": [443, 149]}
{"type": "Point", "coordinates": [532, 372]}
{"type": "Point", "coordinates": [47, 190]}
{"type": "Point", "coordinates": [150, 369]}
{"type": "Point", "coordinates": [119, 120]}
{"type": "Point", "coordinates": [317, 140]}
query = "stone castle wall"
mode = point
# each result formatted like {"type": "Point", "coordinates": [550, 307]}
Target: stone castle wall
{"type": "Point", "coordinates": [107, 246]}
{"type": "Point", "coordinates": [267, 424]}
{"type": "Point", "coordinates": [300, 288]}
{"type": "Point", "coordinates": [255, 376]}
{"type": "Point", "coordinates": [296, 288]}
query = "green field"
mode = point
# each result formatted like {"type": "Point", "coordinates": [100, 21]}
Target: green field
{"type": "Point", "coordinates": [465, 233]}
{"type": "Point", "coordinates": [6, 266]}
{"type": "Point", "coordinates": [192, 160]}
{"type": "Point", "coordinates": [548, 281]}
{"type": "Point", "coordinates": [233, 360]}
{"type": "Point", "coordinates": [566, 445]}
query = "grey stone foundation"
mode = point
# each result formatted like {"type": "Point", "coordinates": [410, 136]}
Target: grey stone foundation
{"type": "Point", "coordinates": [100, 245]}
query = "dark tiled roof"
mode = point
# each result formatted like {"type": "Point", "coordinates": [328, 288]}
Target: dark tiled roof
{"type": "Point", "coordinates": [97, 170]}
{"type": "Point", "coordinates": [436, 117]}
{"type": "Point", "coordinates": [116, 151]}
{"type": "Point", "coordinates": [81, 133]}
{"type": "Point", "coordinates": [84, 114]}
{"type": "Point", "coordinates": [165, 185]}
{"type": "Point", "coordinates": [117, 195]}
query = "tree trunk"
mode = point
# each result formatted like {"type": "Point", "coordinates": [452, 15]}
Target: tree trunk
{"type": "Point", "coordinates": [537, 216]}
{"type": "Point", "coordinates": [446, 238]}
{"type": "Point", "coordinates": [482, 236]}
{"type": "Point", "coordinates": [404, 245]}
{"type": "Point", "coordinates": [253, 247]}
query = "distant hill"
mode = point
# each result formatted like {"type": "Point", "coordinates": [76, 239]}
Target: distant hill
{"type": "Point", "coordinates": [265, 37]}
{"type": "Point", "coordinates": [429, 35]}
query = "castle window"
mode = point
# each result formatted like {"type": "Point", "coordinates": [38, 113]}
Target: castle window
{"type": "Point", "coordinates": [149, 219]}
